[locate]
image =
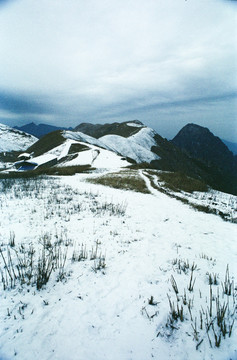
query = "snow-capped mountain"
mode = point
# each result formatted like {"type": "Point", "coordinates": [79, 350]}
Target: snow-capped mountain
{"type": "Point", "coordinates": [131, 142]}
{"type": "Point", "coordinates": [14, 140]}
{"type": "Point", "coordinates": [137, 146]}
{"type": "Point", "coordinates": [73, 148]}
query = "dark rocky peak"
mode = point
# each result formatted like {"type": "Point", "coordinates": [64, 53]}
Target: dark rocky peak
{"type": "Point", "coordinates": [201, 144]}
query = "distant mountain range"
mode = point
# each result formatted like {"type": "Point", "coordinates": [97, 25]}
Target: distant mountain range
{"type": "Point", "coordinates": [231, 146]}
{"type": "Point", "coordinates": [194, 151]}
{"type": "Point", "coordinates": [39, 130]}
{"type": "Point", "coordinates": [95, 130]}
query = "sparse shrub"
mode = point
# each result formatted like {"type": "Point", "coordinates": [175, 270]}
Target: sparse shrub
{"type": "Point", "coordinates": [12, 239]}
{"type": "Point", "coordinates": [44, 269]}
{"type": "Point", "coordinates": [213, 322]}
{"type": "Point", "coordinates": [176, 312]}
{"type": "Point", "coordinates": [80, 255]}
{"type": "Point", "coordinates": [21, 266]}
{"type": "Point", "coordinates": [212, 279]}
{"type": "Point", "coordinates": [191, 281]}
{"type": "Point", "coordinates": [227, 285]}
{"type": "Point", "coordinates": [99, 264]}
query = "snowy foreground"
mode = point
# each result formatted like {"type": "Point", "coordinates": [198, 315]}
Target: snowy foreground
{"type": "Point", "coordinates": [131, 281]}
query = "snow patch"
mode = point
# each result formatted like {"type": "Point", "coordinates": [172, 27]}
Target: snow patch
{"type": "Point", "coordinates": [133, 124]}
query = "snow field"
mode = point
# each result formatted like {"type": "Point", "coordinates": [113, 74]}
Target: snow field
{"type": "Point", "coordinates": [105, 314]}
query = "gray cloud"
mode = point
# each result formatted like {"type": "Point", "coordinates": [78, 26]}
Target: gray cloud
{"type": "Point", "coordinates": [94, 61]}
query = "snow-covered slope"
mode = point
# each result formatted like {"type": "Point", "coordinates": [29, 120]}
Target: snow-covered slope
{"type": "Point", "coordinates": [113, 305]}
{"type": "Point", "coordinates": [81, 137]}
{"type": "Point", "coordinates": [12, 139]}
{"type": "Point", "coordinates": [137, 147]}
{"type": "Point", "coordinates": [94, 155]}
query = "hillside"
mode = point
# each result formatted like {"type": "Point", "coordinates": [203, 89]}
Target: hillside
{"type": "Point", "coordinates": [14, 140]}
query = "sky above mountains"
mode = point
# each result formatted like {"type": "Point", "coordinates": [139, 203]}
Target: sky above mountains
{"type": "Point", "coordinates": [163, 62]}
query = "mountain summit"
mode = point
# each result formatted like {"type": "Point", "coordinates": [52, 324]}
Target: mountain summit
{"type": "Point", "coordinates": [201, 144]}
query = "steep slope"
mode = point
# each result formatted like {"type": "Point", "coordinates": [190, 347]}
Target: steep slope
{"type": "Point", "coordinates": [211, 154]}
{"type": "Point", "coordinates": [201, 144]}
{"type": "Point", "coordinates": [171, 158]}
{"type": "Point", "coordinates": [14, 140]}
{"type": "Point", "coordinates": [47, 143]}
{"type": "Point", "coordinates": [39, 130]}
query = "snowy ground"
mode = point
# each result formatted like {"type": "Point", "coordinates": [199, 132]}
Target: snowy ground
{"type": "Point", "coordinates": [212, 200]}
{"type": "Point", "coordinates": [99, 309]}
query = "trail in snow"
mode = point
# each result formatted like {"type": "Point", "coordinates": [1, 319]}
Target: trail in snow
{"type": "Point", "coordinates": [106, 315]}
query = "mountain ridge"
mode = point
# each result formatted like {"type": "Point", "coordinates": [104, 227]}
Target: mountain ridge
{"type": "Point", "coordinates": [138, 144]}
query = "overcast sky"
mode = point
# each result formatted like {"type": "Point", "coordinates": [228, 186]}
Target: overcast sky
{"type": "Point", "coordinates": [164, 62]}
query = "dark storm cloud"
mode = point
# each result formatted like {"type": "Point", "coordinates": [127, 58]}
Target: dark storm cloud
{"type": "Point", "coordinates": [23, 104]}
